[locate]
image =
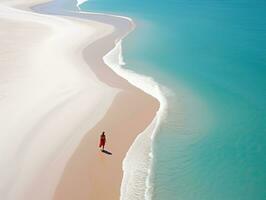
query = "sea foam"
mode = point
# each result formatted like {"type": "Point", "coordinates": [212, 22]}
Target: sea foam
{"type": "Point", "coordinates": [136, 183]}
{"type": "Point", "coordinates": [137, 164]}
{"type": "Point", "coordinates": [79, 2]}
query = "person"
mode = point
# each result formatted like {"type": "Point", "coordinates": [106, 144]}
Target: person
{"type": "Point", "coordinates": [102, 141]}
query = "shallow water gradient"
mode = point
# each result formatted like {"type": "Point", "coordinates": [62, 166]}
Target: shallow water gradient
{"type": "Point", "coordinates": [211, 58]}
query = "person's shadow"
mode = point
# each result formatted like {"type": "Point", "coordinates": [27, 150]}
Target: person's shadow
{"type": "Point", "coordinates": [107, 152]}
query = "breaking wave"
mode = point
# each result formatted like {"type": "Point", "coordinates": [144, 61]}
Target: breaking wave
{"type": "Point", "coordinates": [136, 184]}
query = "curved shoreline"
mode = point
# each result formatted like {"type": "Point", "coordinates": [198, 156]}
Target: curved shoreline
{"type": "Point", "coordinates": [132, 106]}
{"type": "Point", "coordinates": [117, 81]}
{"type": "Point", "coordinates": [95, 194]}
{"type": "Point", "coordinates": [104, 74]}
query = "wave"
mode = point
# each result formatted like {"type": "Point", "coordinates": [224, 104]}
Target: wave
{"type": "Point", "coordinates": [137, 164]}
{"type": "Point", "coordinates": [79, 2]}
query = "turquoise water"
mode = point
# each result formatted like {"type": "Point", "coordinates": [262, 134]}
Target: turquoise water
{"type": "Point", "coordinates": [211, 57]}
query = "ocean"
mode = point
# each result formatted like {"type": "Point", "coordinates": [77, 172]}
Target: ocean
{"type": "Point", "coordinates": [209, 57]}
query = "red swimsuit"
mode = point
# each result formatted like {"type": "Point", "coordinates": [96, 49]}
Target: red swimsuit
{"type": "Point", "coordinates": [102, 141]}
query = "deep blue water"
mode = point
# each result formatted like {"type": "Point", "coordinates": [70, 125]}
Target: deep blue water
{"type": "Point", "coordinates": [211, 55]}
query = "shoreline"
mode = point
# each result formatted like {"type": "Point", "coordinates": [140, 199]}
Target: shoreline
{"type": "Point", "coordinates": [68, 177]}
{"type": "Point", "coordinates": [78, 171]}
{"type": "Point", "coordinates": [137, 164]}
{"type": "Point", "coordinates": [73, 168]}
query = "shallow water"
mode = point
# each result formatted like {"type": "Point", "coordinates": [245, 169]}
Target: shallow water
{"type": "Point", "coordinates": [211, 58]}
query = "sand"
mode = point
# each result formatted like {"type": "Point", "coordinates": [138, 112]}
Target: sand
{"type": "Point", "coordinates": [71, 166]}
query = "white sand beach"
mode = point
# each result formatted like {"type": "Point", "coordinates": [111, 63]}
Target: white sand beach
{"type": "Point", "coordinates": [54, 107]}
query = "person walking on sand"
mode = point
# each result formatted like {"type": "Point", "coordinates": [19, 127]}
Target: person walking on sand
{"type": "Point", "coordinates": [102, 141]}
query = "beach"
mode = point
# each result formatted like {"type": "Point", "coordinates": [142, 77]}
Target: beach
{"type": "Point", "coordinates": [57, 96]}
{"type": "Point", "coordinates": [178, 87]}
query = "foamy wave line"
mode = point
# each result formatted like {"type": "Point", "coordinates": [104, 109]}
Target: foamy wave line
{"type": "Point", "coordinates": [136, 182]}
{"type": "Point", "coordinates": [79, 2]}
